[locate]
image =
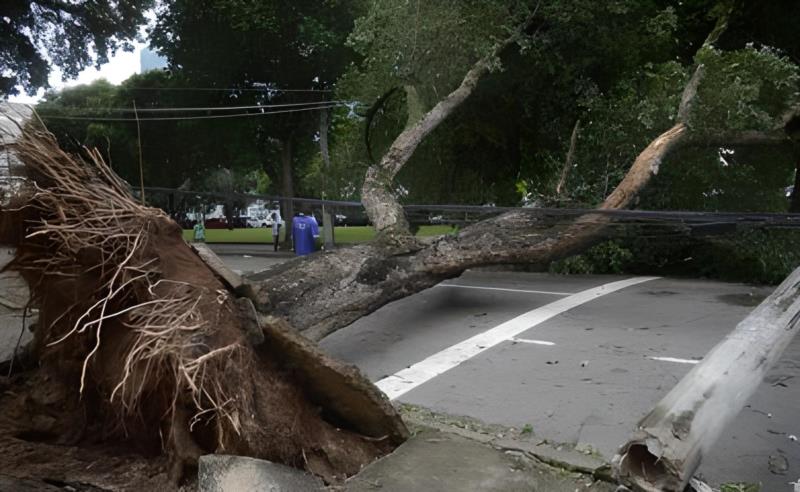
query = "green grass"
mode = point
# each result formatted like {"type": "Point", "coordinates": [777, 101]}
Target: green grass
{"type": "Point", "coordinates": [740, 487]}
{"type": "Point", "coordinates": [342, 235]}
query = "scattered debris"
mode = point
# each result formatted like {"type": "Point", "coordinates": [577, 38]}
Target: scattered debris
{"type": "Point", "coordinates": [778, 464]}
{"type": "Point", "coordinates": [781, 381]}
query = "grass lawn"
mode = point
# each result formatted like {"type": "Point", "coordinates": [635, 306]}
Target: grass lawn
{"type": "Point", "coordinates": [342, 235]}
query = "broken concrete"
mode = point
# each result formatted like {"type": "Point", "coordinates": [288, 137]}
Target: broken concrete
{"type": "Point", "coordinates": [560, 456]}
{"type": "Point", "coordinates": [435, 460]}
{"type": "Point", "coordinates": [223, 473]}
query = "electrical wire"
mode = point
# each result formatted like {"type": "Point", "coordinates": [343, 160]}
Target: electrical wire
{"type": "Point", "coordinates": [210, 108]}
{"type": "Point", "coordinates": [229, 89]}
{"type": "Point", "coordinates": [183, 118]}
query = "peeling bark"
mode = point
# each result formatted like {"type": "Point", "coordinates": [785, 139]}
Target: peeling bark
{"type": "Point", "coordinates": [570, 160]}
{"type": "Point", "coordinates": [794, 204]}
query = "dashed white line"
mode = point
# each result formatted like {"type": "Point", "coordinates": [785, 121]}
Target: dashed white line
{"type": "Point", "coordinates": [480, 287]}
{"type": "Point", "coordinates": [407, 379]}
{"type": "Point", "coordinates": [534, 342]}
{"type": "Point", "coordinates": [674, 359]}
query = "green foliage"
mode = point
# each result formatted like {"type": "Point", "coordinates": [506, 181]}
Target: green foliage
{"type": "Point", "coordinates": [609, 257]}
{"type": "Point", "coordinates": [172, 151]}
{"type": "Point", "coordinates": [620, 124]}
{"type": "Point", "coordinates": [753, 256]}
{"type": "Point", "coordinates": [429, 45]}
{"type": "Point", "coordinates": [756, 256]}
{"type": "Point", "coordinates": [40, 34]}
{"type": "Point", "coordinates": [747, 89]}
{"type": "Point", "coordinates": [743, 179]}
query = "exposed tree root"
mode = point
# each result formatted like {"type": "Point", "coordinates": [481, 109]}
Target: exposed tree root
{"type": "Point", "coordinates": [144, 344]}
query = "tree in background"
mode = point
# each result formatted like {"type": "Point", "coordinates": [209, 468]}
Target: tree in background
{"type": "Point", "coordinates": [38, 35]}
{"type": "Point", "coordinates": [271, 45]}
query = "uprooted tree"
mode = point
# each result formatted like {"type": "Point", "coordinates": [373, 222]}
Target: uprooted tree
{"type": "Point", "coordinates": [139, 341]}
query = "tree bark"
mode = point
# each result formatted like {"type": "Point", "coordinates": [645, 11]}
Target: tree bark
{"type": "Point", "coordinates": [323, 139]}
{"type": "Point", "coordinates": [794, 204]}
{"type": "Point", "coordinates": [377, 195]}
{"type": "Point", "coordinates": [569, 161]}
{"type": "Point", "coordinates": [328, 291]}
{"type": "Point", "coordinates": [287, 185]}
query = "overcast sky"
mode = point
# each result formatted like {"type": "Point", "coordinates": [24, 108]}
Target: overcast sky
{"type": "Point", "coordinates": [119, 67]}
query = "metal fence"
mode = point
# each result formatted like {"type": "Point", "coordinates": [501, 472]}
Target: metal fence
{"type": "Point", "coordinates": [241, 210]}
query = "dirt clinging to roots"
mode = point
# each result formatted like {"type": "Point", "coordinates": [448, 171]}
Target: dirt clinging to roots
{"type": "Point", "coordinates": [140, 344]}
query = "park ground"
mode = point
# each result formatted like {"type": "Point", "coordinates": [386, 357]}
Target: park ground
{"type": "Point", "coordinates": [342, 235]}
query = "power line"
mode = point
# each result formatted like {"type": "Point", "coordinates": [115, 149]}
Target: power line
{"type": "Point", "coordinates": [214, 108]}
{"type": "Point", "coordinates": [177, 118]}
{"type": "Point", "coordinates": [229, 89]}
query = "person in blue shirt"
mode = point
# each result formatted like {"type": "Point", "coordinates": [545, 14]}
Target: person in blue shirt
{"type": "Point", "coordinates": [305, 230]}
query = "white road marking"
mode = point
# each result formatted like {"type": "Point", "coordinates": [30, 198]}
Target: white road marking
{"type": "Point", "coordinates": [673, 359]}
{"type": "Point", "coordinates": [480, 287]}
{"type": "Point", "coordinates": [407, 379]}
{"type": "Point", "coordinates": [535, 342]}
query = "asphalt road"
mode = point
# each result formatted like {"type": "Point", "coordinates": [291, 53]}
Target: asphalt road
{"type": "Point", "coordinates": [584, 376]}
{"type": "Point", "coordinates": [581, 373]}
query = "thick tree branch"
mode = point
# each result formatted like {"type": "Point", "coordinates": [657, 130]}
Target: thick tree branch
{"type": "Point", "coordinates": [321, 294]}
{"type": "Point", "coordinates": [378, 198]}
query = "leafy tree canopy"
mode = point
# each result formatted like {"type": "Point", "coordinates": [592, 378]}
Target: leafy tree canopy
{"type": "Point", "coordinates": [37, 35]}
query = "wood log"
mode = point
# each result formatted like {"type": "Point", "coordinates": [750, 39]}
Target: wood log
{"type": "Point", "coordinates": [672, 439]}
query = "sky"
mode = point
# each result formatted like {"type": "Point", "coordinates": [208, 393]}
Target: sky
{"type": "Point", "coordinates": [119, 67]}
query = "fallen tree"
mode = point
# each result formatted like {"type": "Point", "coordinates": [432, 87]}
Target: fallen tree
{"type": "Point", "coordinates": [330, 290]}
{"type": "Point", "coordinates": [138, 341]}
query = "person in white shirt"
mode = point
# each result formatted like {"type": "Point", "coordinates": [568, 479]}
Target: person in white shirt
{"type": "Point", "coordinates": [275, 215]}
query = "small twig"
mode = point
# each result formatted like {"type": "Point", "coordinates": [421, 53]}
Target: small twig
{"type": "Point", "coordinates": [19, 340]}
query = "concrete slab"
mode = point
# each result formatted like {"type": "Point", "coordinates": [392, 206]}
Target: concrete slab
{"type": "Point", "coordinates": [444, 462]}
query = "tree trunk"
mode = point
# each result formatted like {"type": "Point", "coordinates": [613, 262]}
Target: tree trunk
{"type": "Point", "coordinates": [794, 204]}
{"type": "Point", "coordinates": [672, 439]}
{"type": "Point", "coordinates": [287, 185]}
{"type": "Point", "coordinates": [323, 139]}
{"type": "Point", "coordinates": [369, 276]}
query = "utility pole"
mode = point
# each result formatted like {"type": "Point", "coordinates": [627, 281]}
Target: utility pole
{"type": "Point", "coordinates": [139, 141]}
{"type": "Point", "coordinates": [670, 441]}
